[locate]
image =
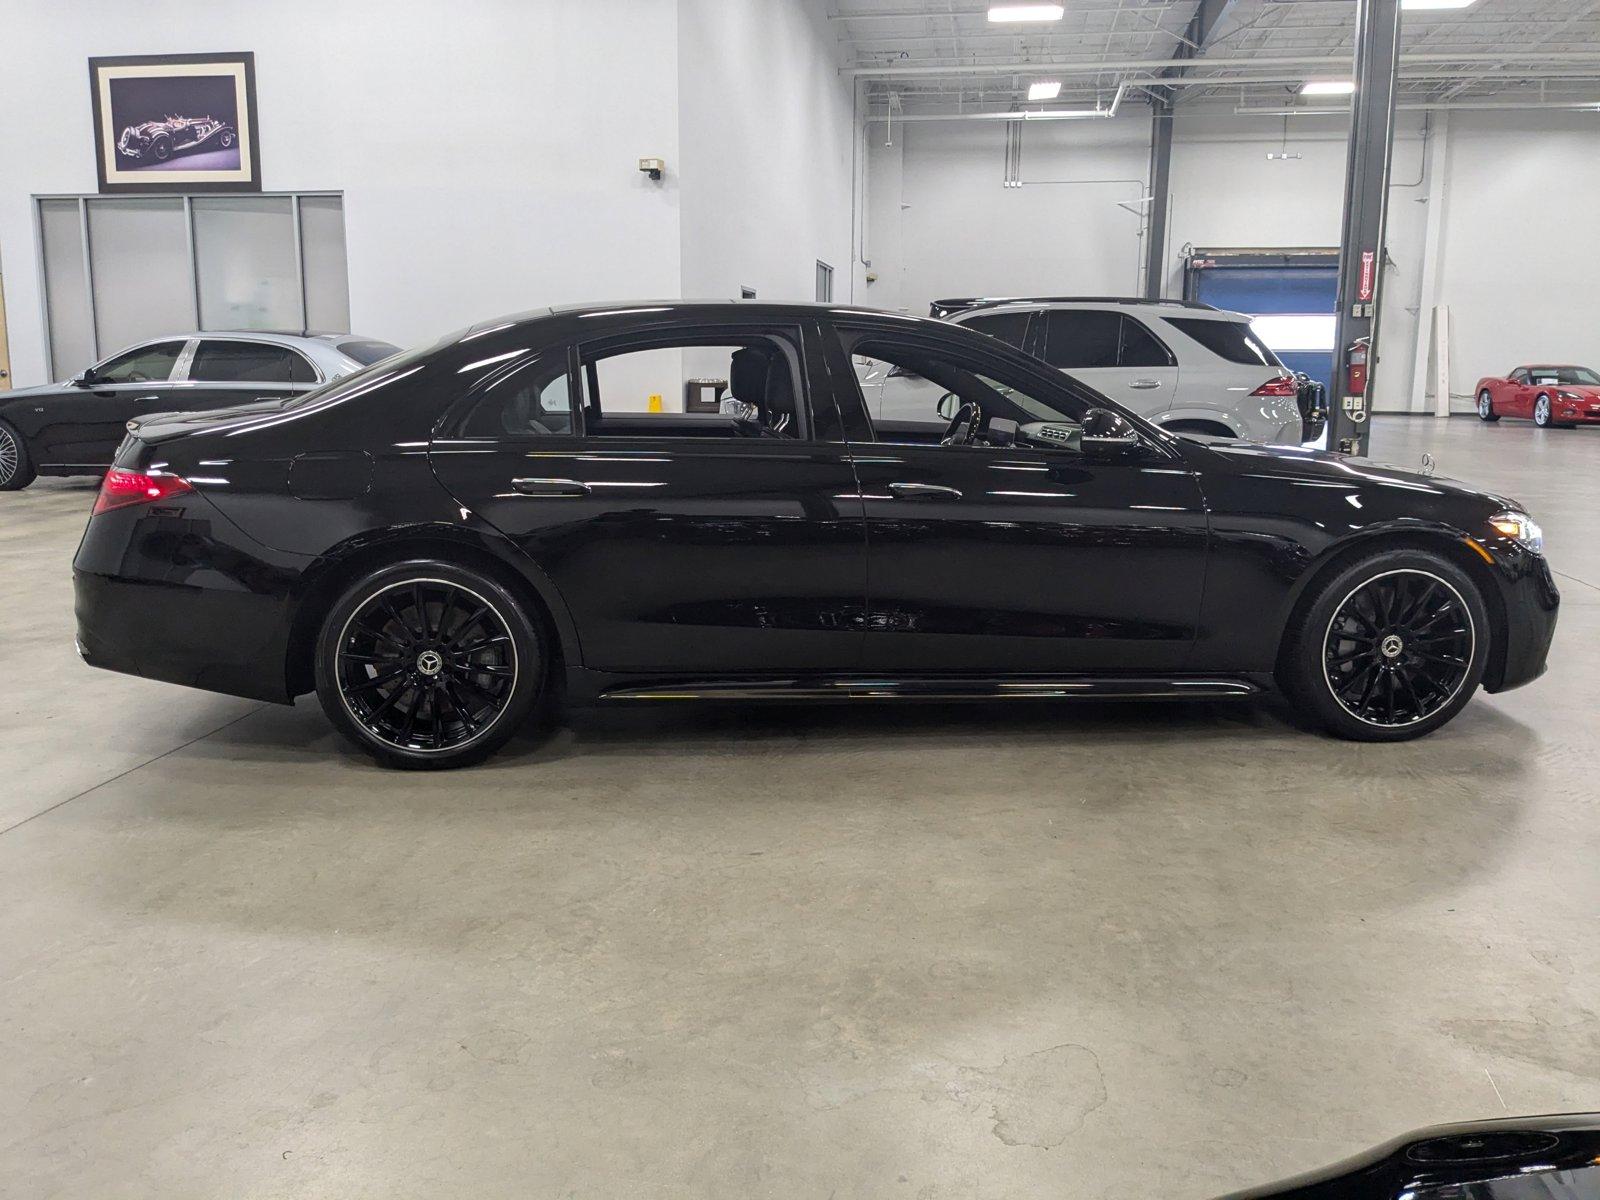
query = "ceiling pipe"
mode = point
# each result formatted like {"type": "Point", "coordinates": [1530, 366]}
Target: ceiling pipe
{"type": "Point", "coordinates": [1427, 106]}
{"type": "Point", "coordinates": [1097, 67]}
{"type": "Point", "coordinates": [1036, 114]}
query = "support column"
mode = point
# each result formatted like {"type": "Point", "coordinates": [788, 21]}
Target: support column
{"type": "Point", "coordinates": [1366, 202]}
{"type": "Point", "coordinates": [1155, 244]}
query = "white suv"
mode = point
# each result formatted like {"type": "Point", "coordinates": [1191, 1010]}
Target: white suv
{"type": "Point", "coordinates": [1185, 366]}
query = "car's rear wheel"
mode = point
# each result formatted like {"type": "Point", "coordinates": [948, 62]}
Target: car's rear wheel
{"type": "Point", "coordinates": [225, 139]}
{"type": "Point", "coordinates": [1486, 410]}
{"type": "Point", "coordinates": [428, 665]}
{"type": "Point", "coordinates": [161, 149]}
{"type": "Point", "coordinates": [1389, 648]}
{"type": "Point", "coordinates": [16, 468]}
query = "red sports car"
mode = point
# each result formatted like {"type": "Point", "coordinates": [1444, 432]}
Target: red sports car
{"type": "Point", "coordinates": [1558, 397]}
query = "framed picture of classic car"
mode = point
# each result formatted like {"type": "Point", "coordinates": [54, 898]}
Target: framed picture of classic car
{"type": "Point", "coordinates": [176, 123]}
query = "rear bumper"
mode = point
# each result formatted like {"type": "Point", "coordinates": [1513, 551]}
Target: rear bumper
{"type": "Point", "coordinates": [175, 593]}
{"type": "Point", "coordinates": [1532, 601]}
{"type": "Point", "coordinates": [218, 641]}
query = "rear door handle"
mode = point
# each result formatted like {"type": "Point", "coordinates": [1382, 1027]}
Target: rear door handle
{"type": "Point", "coordinates": [1144, 385]}
{"type": "Point", "coordinates": [923, 491]}
{"type": "Point", "coordinates": [550, 487]}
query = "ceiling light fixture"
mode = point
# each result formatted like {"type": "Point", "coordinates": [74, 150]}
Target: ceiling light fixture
{"type": "Point", "coordinates": [1328, 87]}
{"type": "Point", "coordinates": [1436, 4]}
{"type": "Point", "coordinates": [1014, 13]}
{"type": "Point", "coordinates": [1045, 89]}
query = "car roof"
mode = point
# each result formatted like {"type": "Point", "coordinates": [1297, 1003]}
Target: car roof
{"type": "Point", "coordinates": [1185, 309]}
{"type": "Point", "coordinates": [322, 348]}
{"type": "Point", "coordinates": [669, 310]}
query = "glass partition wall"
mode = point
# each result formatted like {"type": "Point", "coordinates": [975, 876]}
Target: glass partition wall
{"type": "Point", "coordinates": [120, 269]}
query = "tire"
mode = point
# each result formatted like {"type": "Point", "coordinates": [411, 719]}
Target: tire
{"type": "Point", "coordinates": [225, 139]}
{"type": "Point", "coordinates": [1486, 410]}
{"type": "Point", "coordinates": [444, 689]}
{"type": "Point", "coordinates": [1353, 656]}
{"type": "Point", "coordinates": [1543, 413]}
{"type": "Point", "coordinates": [161, 149]}
{"type": "Point", "coordinates": [16, 467]}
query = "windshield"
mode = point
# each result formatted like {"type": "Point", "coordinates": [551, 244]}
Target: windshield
{"type": "Point", "coordinates": [1575, 375]}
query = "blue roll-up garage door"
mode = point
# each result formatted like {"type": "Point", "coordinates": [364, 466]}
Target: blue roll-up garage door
{"type": "Point", "coordinates": [1293, 294]}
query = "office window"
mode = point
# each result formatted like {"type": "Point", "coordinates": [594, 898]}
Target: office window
{"type": "Point", "coordinates": [158, 265]}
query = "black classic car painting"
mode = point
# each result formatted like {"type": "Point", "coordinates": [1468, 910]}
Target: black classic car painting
{"type": "Point", "coordinates": [157, 141]}
{"type": "Point", "coordinates": [176, 123]}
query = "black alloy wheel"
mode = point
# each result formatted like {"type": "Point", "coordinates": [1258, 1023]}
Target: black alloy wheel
{"type": "Point", "coordinates": [1390, 647]}
{"type": "Point", "coordinates": [1398, 649]}
{"type": "Point", "coordinates": [429, 665]}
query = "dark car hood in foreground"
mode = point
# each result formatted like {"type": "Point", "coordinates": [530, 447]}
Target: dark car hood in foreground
{"type": "Point", "coordinates": [1322, 466]}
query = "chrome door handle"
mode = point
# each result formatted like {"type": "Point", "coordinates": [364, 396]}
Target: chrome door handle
{"type": "Point", "coordinates": [923, 491]}
{"type": "Point", "coordinates": [142, 399]}
{"type": "Point", "coordinates": [550, 487]}
{"type": "Point", "coordinates": [1144, 385]}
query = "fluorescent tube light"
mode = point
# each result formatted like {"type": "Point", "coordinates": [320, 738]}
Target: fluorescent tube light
{"type": "Point", "coordinates": [1014, 13]}
{"type": "Point", "coordinates": [1328, 87]}
{"type": "Point", "coordinates": [1436, 4]}
{"type": "Point", "coordinates": [1045, 89]}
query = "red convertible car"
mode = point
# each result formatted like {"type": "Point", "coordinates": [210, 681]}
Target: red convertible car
{"type": "Point", "coordinates": [1558, 397]}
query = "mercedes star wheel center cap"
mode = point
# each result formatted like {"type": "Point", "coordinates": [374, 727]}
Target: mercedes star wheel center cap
{"type": "Point", "coordinates": [431, 662]}
{"type": "Point", "coordinates": [1392, 646]}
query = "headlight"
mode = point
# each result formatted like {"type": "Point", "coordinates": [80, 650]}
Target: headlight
{"type": "Point", "coordinates": [1568, 396]}
{"type": "Point", "coordinates": [1520, 528]}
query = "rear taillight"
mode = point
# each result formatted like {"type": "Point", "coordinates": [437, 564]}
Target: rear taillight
{"type": "Point", "coordinates": [1283, 385]}
{"type": "Point", "coordinates": [121, 488]}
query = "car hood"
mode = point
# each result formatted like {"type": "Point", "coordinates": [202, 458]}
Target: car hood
{"type": "Point", "coordinates": [1322, 466]}
{"type": "Point", "coordinates": [27, 393]}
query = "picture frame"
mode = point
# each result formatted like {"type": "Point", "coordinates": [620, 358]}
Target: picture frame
{"type": "Point", "coordinates": [176, 123]}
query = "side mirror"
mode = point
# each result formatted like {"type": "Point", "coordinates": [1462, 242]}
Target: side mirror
{"type": "Point", "coordinates": [84, 379]}
{"type": "Point", "coordinates": [1109, 437]}
{"type": "Point", "coordinates": [949, 405]}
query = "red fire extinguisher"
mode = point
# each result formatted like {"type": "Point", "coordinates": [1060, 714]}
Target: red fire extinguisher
{"type": "Point", "coordinates": [1356, 360]}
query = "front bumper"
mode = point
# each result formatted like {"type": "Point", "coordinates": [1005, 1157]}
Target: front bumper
{"type": "Point", "coordinates": [1532, 601]}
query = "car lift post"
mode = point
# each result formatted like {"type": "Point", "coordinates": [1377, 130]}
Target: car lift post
{"type": "Point", "coordinates": [1366, 202]}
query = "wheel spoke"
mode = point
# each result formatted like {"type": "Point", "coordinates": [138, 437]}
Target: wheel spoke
{"type": "Point", "coordinates": [377, 681]}
{"type": "Point", "coordinates": [461, 629]}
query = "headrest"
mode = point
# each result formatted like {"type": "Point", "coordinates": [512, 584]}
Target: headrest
{"type": "Point", "coordinates": [747, 373]}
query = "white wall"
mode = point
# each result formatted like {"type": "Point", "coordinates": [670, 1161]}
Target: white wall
{"type": "Point", "coordinates": [765, 135]}
{"type": "Point", "coordinates": [487, 149]}
{"type": "Point", "coordinates": [1521, 258]}
{"type": "Point", "coordinates": [1519, 236]}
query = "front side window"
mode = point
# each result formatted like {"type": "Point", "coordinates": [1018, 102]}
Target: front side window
{"type": "Point", "coordinates": [997, 390]}
{"type": "Point", "coordinates": [1011, 328]}
{"type": "Point", "coordinates": [644, 391]}
{"type": "Point", "coordinates": [1082, 339]}
{"type": "Point", "coordinates": [147, 364]}
{"type": "Point", "coordinates": [1520, 375]}
{"type": "Point", "coordinates": [248, 362]}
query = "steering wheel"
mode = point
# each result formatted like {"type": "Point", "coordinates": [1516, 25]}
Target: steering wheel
{"type": "Point", "coordinates": [963, 428]}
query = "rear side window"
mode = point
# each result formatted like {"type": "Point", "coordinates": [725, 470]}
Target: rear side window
{"type": "Point", "coordinates": [533, 402]}
{"type": "Point", "coordinates": [365, 351]}
{"type": "Point", "coordinates": [1232, 340]}
{"type": "Point", "coordinates": [248, 362]}
{"type": "Point", "coordinates": [1010, 328]}
{"type": "Point", "coordinates": [1078, 339]}
{"type": "Point", "coordinates": [1140, 347]}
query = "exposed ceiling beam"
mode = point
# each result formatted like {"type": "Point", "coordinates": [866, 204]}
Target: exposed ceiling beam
{"type": "Point", "coordinates": [1083, 66]}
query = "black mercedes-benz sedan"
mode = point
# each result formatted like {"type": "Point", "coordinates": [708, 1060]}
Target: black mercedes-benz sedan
{"type": "Point", "coordinates": [682, 501]}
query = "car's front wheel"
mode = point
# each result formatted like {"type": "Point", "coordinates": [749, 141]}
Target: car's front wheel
{"type": "Point", "coordinates": [1486, 410]}
{"type": "Point", "coordinates": [1389, 648]}
{"type": "Point", "coordinates": [16, 468]}
{"type": "Point", "coordinates": [428, 665]}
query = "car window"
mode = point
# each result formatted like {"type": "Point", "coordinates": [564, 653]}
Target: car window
{"type": "Point", "coordinates": [147, 364]}
{"type": "Point", "coordinates": [1579, 376]}
{"type": "Point", "coordinates": [1519, 376]}
{"type": "Point", "coordinates": [1080, 339]}
{"type": "Point", "coordinates": [1000, 391]}
{"type": "Point", "coordinates": [219, 361]}
{"type": "Point", "coordinates": [1140, 347]}
{"type": "Point", "coordinates": [1010, 328]}
{"type": "Point", "coordinates": [535, 401]}
{"type": "Point", "coordinates": [644, 390]}
{"type": "Point", "coordinates": [365, 351]}
{"type": "Point", "coordinates": [1232, 340]}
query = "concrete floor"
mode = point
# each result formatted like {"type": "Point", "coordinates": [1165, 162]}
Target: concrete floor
{"type": "Point", "coordinates": [1076, 951]}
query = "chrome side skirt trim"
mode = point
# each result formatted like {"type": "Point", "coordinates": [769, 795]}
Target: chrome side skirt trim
{"type": "Point", "coordinates": [1066, 687]}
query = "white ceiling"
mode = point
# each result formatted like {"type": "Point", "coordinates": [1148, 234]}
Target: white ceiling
{"type": "Point", "coordinates": [947, 57]}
